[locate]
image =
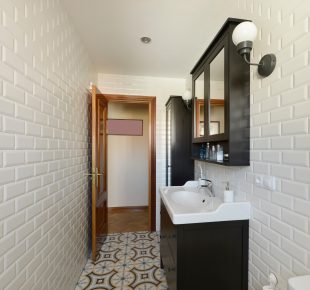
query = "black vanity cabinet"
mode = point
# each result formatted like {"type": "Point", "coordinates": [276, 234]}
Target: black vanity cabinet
{"type": "Point", "coordinates": [179, 164]}
{"type": "Point", "coordinates": [204, 256]}
{"type": "Point", "coordinates": [221, 99]}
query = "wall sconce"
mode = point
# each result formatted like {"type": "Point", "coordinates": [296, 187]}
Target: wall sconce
{"type": "Point", "coordinates": [188, 98]}
{"type": "Point", "coordinates": [243, 36]}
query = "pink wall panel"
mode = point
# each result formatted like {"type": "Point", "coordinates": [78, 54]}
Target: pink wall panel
{"type": "Point", "coordinates": [125, 127]}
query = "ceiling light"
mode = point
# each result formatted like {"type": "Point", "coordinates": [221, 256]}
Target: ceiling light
{"type": "Point", "coordinates": [145, 39]}
{"type": "Point", "coordinates": [187, 95]}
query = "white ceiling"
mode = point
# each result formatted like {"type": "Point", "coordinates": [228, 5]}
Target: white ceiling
{"type": "Point", "coordinates": [180, 30]}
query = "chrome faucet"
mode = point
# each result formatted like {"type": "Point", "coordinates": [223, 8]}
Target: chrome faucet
{"type": "Point", "coordinates": [208, 185]}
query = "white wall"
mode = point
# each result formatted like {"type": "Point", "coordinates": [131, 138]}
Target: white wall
{"type": "Point", "coordinates": [161, 88]}
{"type": "Point", "coordinates": [128, 159]}
{"type": "Point", "coordinates": [44, 73]}
{"type": "Point", "coordinates": [280, 143]}
{"type": "Point", "coordinates": [217, 90]}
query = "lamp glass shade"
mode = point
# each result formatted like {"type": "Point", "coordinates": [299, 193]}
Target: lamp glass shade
{"type": "Point", "coordinates": [187, 95]}
{"type": "Point", "coordinates": [245, 31]}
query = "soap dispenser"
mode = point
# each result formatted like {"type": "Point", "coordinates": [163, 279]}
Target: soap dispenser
{"type": "Point", "coordinates": [228, 193]}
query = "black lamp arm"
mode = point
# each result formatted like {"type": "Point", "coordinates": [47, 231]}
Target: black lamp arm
{"type": "Point", "coordinates": [251, 63]}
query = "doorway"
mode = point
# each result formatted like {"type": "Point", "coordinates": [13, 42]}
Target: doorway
{"type": "Point", "coordinates": [121, 219]}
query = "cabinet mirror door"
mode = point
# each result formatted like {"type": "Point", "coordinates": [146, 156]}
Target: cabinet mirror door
{"type": "Point", "coordinates": [199, 106]}
{"type": "Point", "coordinates": [217, 95]}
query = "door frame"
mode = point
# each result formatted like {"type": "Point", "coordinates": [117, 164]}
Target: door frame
{"type": "Point", "coordinates": [94, 104]}
{"type": "Point", "coordinates": [151, 102]}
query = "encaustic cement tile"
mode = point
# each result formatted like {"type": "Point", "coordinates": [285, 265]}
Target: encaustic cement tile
{"type": "Point", "coordinates": [127, 261]}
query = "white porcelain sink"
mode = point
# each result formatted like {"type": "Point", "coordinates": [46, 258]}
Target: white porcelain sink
{"type": "Point", "coordinates": [187, 205]}
{"type": "Point", "coordinates": [299, 283]}
{"type": "Point", "coordinates": [189, 199]}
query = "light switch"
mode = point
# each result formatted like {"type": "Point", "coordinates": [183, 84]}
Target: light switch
{"type": "Point", "coordinates": [266, 181]}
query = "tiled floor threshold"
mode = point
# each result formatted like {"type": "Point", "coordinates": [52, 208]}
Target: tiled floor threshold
{"type": "Point", "coordinates": [127, 261]}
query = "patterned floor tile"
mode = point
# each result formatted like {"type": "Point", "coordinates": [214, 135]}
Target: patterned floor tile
{"type": "Point", "coordinates": [127, 261]}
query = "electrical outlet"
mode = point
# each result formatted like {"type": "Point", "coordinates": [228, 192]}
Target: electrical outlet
{"type": "Point", "coordinates": [269, 182]}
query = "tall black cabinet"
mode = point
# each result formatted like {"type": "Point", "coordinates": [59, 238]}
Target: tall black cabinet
{"type": "Point", "coordinates": [179, 164]}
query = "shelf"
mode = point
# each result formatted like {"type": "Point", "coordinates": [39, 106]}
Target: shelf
{"type": "Point", "coordinates": [223, 163]}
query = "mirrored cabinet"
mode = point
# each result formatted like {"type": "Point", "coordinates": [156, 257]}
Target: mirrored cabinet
{"type": "Point", "coordinates": [216, 96]}
{"type": "Point", "coordinates": [221, 100]}
{"type": "Point", "coordinates": [199, 112]}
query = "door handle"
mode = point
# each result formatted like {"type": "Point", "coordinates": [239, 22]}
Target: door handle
{"type": "Point", "coordinates": [91, 174]}
{"type": "Point", "coordinates": [94, 176]}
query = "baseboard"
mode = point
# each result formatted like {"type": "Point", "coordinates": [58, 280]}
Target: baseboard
{"type": "Point", "coordinates": [127, 208]}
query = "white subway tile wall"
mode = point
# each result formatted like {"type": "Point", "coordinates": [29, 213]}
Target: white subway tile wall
{"type": "Point", "coordinates": [280, 144]}
{"type": "Point", "coordinates": [44, 75]}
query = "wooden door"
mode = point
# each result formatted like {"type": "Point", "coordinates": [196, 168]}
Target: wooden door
{"type": "Point", "coordinates": [99, 172]}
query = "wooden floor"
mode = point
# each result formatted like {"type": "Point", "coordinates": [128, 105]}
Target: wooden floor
{"type": "Point", "coordinates": [121, 220]}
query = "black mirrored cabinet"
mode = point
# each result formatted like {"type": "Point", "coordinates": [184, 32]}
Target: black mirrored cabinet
{"type": "Point", "coordinates": [221, 102]}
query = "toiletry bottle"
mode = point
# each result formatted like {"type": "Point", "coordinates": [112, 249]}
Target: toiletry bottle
{"type": "Point", "coordinates": [226, 157]}
{"type": "Point", "coordinates": [208, 151]}
{"type": "Point", "coordinates": [219, 153]}
{"type": "Point", "coordinates": [213, 153]}
{"type": "Point", "coordinates": [228, 194]}
{"type": "Point", "coordinates": [204, 152]}
{"type": "Point", "coordinates": [201, 152]}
